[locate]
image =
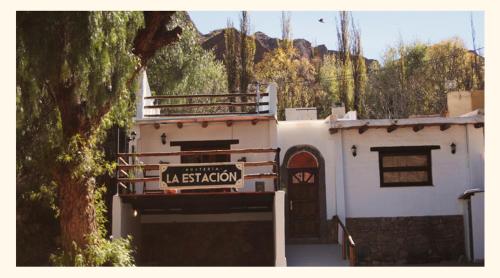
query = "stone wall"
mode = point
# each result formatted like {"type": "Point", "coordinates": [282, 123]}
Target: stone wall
{"type": "Point", "coordinates": [207, 244]}
{"type": "Point", "coordinates": [408, 240]}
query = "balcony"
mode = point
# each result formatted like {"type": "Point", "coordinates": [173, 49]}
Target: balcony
{"type": "Point", "coordinates": [260, 102]}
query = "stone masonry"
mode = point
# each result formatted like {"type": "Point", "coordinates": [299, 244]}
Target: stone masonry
{"type": "Point", "coordinates": [408, 240]}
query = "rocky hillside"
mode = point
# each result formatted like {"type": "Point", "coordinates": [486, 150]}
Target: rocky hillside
{"type": "Point", "coordinates": [263, 44]}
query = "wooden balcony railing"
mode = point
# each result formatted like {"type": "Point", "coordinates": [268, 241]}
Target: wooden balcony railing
{"type": "Point", "coordinates": [128, 162]}
{"type": "Point", "coordinates": [222, 104]}
{"type": "Point", "coordinates": [348, 245]}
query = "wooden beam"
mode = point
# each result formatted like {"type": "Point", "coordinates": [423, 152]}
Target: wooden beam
{"type": "Point", "coordinates": [391, 128]}
{"type": "Point", "coordinates": [122, 184]}
{"type": "Point", "coordinates": [179, 125]}
{"type": "Point", "coordinates": [156, 166]}
{"type": "Point", "coordinates": [444, 127]}
{"type": "Point", "coordinates": [148, 179]}
{"type": "Point", "coordinates": [363, 128]}
{"type": "Point", "coordinates": [417, 128]}
{"type": "Point", "coordinates": [204, 124]}
{"type": "Point", "coordinates": [205, 104]}
{"type": "Point", "coordinates": [139, 166]}
{"type": "Point", "coordinates": [261, 176]}
{"type": "Point", "coordinates": [205, 95]}
{"type": "Point", "coordinates": [333, 130]}
{"type": "Point", "coordinates": [206, 114]}
{"type": "Point", "coordinates": [259, 163]}
{"type": "Point", "coordinates": [124, 173]}
{"type": "Point", "coordinates": [157, 178]}
{"type": "Point", "coordinates": [478, 125]}
{"type": "Point", "coordinates": [229, 123]}
{"type": "Point", "coordinates": [120, 159]}
{"type": "Point", "coordinates": [208, 152]}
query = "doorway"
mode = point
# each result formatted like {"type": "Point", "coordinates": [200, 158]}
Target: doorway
{"type": "Point", "coordinates": [303, 196]}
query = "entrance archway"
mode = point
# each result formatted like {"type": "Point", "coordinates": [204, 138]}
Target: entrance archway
{"type": "Point", "coordinates": [303, 175]}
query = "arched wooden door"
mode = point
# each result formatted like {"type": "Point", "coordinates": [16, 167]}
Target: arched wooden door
{"type": "Point", "coordinates": [303, 196]}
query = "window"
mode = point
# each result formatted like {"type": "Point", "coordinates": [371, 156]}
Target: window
{"type": "Point", "coordinates": [405, 166]}
{"type": "Point", "coordinates": [205, 146]}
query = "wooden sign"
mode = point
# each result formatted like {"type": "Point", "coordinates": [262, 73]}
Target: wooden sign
{"type": "Point", "coordinates": [202, 176]}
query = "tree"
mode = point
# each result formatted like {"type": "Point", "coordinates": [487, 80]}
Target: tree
{"type": "Point", "coordinates": [185, 68]}
{"type": "Point", "coordinates": [75, 75]}
{"type": "Point", "coordinates": [344, 77]}
{"type": "Point", "coordinates": [358, 70]}
{"type": "Point", "coordinates": [295, 76]}
{"type": "Point", "coordinates": [415, 78]}
{"type": "Point", "coordinates": [231, 60]}
{"type": "Point", "coordinates": [247, 53]}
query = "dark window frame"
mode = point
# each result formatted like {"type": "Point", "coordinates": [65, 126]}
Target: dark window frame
{"type": "Point", "coordinates": [205, 145]}
{"type": "Point", "coordinates": [405, 151]}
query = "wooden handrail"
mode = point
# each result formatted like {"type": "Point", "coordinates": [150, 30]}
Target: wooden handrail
{"type": "Point", "coordinates": [207, 114]}
{"type": "Point", "coordinates": [348, 245]}
{"type": "Point", "coordinates": [205, 104]}
{"type": "Point", "coordinates": [191, 153]}
{"type": "Point", "coordinates": [205, 95]}
{"type": "Point", "coordinates": [157, 178]}
{"type": "Point", "coordinates": [156, 166]}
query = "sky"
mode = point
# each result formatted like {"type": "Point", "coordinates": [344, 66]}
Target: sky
{"type": "Point", "coordinates": [378, 29]}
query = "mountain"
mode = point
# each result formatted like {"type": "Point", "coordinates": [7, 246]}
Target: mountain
{"type": "Point", "coordinates": [264, 44]}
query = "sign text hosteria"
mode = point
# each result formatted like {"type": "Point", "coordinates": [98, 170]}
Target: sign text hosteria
{"type": "Point", "coordinates": [201, 176]}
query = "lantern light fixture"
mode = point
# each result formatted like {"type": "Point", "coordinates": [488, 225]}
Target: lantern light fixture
{"type": "Point", "coordinates": [354, 150]}
{"type": "Point", "coordinates": [163, 138]}
{"type": "Point", "coordinates": [453, 147]}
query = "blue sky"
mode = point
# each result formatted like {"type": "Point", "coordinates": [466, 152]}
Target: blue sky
{"type": "Point", "coordinates": [378, 29]}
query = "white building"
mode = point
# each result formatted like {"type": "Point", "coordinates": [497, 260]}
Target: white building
{"type": "Point", "coordinates": [394, 184]}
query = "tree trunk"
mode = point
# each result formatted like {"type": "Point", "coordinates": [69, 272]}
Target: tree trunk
{"type": "Point", "coordinates": [77, 211]}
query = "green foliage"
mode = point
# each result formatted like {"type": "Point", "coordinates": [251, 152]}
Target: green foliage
{"type": "Point", "coordinates": [100, 251]}
{"type": "Point", "coordinates": [415, 78]}
{"type": "Point", "coordinates": [231, 59]}
{"type": "Point", "coordinates": [185, 67]}
{"type": "Point", "coordinates": [247, 53]}
{"type": "Point", "coordinates": [296, 79]}
{"type": "Point", "coordinates": [328, 77]}
{"type": "Point", "coordinates": [73, 73]}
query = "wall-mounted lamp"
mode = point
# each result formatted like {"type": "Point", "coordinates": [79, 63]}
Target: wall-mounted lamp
{"type": "Point", "coordinates": [163, 138]}
{"type": "Point", "coordinates": [453, 147]}
{"type": "Point", "coordinates": [136, 213]}
{"type": "Point", "coordinates": [354, 150]}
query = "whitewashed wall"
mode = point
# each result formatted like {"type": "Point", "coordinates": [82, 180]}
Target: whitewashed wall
{"type": "Point", "coordinates": [475, 137]}
{"type": "Point", "coordinates": [260, 135]}
{"type": "Point", "coordinates": [450, 173]}
{"type": "Point", "coordinates": [477, 207]}
{"type": "Point", "coordinates": [315, 134]}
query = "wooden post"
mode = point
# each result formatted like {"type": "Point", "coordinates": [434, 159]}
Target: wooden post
{"type": "Point", "coordinates": [117, 157]}
{"type": "Point", "coordinates": [417, 128]}
{"type": "Point", "coordinates": [444, 127]}
{"type": "Point", "coordinates": [276, 169]}
{"type": "Point", "coordinates": [344, 241]}
{"type": "Point", "coordinates": [352, 255]}
{"type": "Point", "coordinates": [257, 99]}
